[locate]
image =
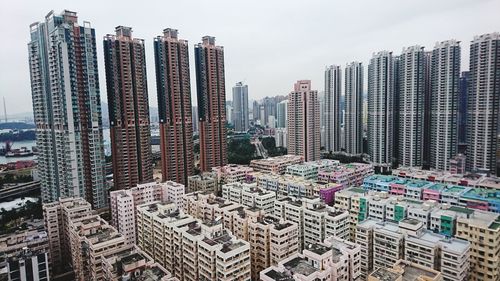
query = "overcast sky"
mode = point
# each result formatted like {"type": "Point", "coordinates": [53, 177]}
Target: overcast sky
{"type": "Point", "coordinates": [268, 44]}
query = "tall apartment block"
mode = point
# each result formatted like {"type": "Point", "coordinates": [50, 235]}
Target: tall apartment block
{"type": "Point", "coordinates": [462, 107]}
{"type": "Point", "coordinates": [125, 63]}
{"type": "Point", "coordinates": [67, 109]}
{"type": "Point", "coordinates": [303, 122]}
{"type": "Point", "coordinates": [174, 106]}
{"type": "Point", "coordinates": [483, 103]}
{"type": "Point", "coordinates": [411, 106]}
{"type": "Point", "coordinates": [427, 111]}
{"type": "Point", "coordinates": [380, 109]}
{"type": "Point", "coordinates": [333, 111]}
{"type": "Point", "coordinates": [353, 128]}
{"type": "Point", "coordinates": [240, 107]}
{"type": "Point", "coordinates": [281, 114]}
{"type": "Point", "coordinates": [211, 91]}
{"type": "Point", "coordinates": [445, 75]}
{"type": "Point", "coordinates": [194, 111]}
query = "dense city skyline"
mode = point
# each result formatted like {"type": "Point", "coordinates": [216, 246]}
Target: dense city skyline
{"type": "Point", "coordinates": [385, 169]}
{"type": "Point", "coordinates": [268, 75]}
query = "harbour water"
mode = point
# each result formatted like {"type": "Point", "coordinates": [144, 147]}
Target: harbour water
{"type": "Point", "coordinates": [30, 143]}
{"type": "Point", "coordinates": [18, 144]}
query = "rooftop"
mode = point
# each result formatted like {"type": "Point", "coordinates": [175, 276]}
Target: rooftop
{"type": "Point", "coordinates": [461, 210]}
{"type": "Point", "coordinates": [413, 273]}
{"type": "Point", "coordinates": [281, 276]}
{"type": "Point", "coordinates": [300, 266]}
{"type": "Point", "coordinates": [228, 247]}
{"type": "Point", "coordinates": [318, 248]}
{"type": "Point", "coordinates": [153, 273]}
{"type": "Point", "coordinates": [385, 275]}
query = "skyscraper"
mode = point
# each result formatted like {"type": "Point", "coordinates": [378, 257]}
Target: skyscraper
{"type": "Point", "coordinates": [240, 107]}
{"type": "Point", "coordinates": [269, 109]}
{"type": "Point", "coordinates": [67, 109]}
{"type": "Point", "coordinates": [445, 75]}
{"type": "Point", "coordinates": [353, 129]}
{"type": "Point", "coordinates": [333, 113]}
{"type": "Point", "coordinates": [281, 114]}
{"type": "Point", "coordinates": [210, 84]}
{"type": "Point", "coordinates": [303, 122]}
{"type": "Point", "coordinates": [380, 109]}
{"type": "Point", "coordinates": [462, 107]}
{"type": "Point", "coordinates": [194, 112]}
{"type": "Point", "coordinates": [483, 103]}
{"type": "Point", "coordinates": [256, 110]}
{"type": "Point", "coordinates": [411, 106]}
{"type": "Point", "coordinates": [427, 111]}
{"type": "Point", "coordinates": [125, 64]}
{"type": "Point", "coordinates": [174, 106]}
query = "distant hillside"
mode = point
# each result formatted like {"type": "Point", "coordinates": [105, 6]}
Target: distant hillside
{"type": "Point", "coordinates": [153, 114]}
{"type": "Point", "coordinates": [16, 126]}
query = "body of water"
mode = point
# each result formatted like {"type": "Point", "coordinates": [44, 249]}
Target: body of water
{"type": "Point", "coordinates": [30, 143]}
{"type": "Point", "coordinates": [17, 203]}
{"type": "Point", "coordinates": [18, 144]}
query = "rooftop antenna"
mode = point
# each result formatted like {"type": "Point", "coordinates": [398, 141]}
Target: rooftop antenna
{"type": "Point", "coordinates": [4, 110]}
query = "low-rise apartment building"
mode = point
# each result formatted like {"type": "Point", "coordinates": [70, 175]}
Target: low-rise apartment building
{"type": "Point", "coordinates": [351, 174]}
{"type": "Point", "coordinates": [191, 249]}
{"type": "Point", "coordinates": [405, 271]}
{"type": "Point", "coordinates": [318, 262]}
{"type": "Point", "coordinates": [123, 203]}
{"type": "Point", "coordinates": [90, 239]}
{"type": "Point", "coordinates": [482, 230]}
{"type": "Point", "coordinates": [384, 243]}
{"type": "Point", "coordinates": [57, 217]}
{"type": "Point", "coordinates": [232, 173]}
{"type": "Point", "coordinates": [309, 170]}
{"type": "Point", "coordinates": [276, 165]}
{"type": "Point", "coordinates": [249, 195]}
{"type": "Point", "coordinates": [315, 221]}
{"type": "Point", "coordinates": [133, 264]}
{"type": "Point", "coordinates": [206, 181]}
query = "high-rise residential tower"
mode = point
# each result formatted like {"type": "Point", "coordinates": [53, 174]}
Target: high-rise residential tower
{"type": "Point", "coordinates": [67, 109]}
{"type": "Point", "coordinates": [303, 122]}
{"type": "Point", "coordinates": [411, 106]}
{"type": "Point", "coordinates": [483, 103]}
{"type": "Point", "coordinates": [333, 113]}
{"type": "Point", "coordinates": [210, 84]}
{"type": "Point", "coordinates": [255, 110]}
{"type": "Point", "coordinates": [353, 129]}
{"type": "Point", "coordinates": [427, 111]}
{"type": "Point", "coordinates": [126, 81]}
{"type": "Point", "coordinates": [240, 107]}
{"type": "Point", "coordinates": [380, 109]}
{"type": "Point", "coordinates": [445, 75]}
{"type": "Point", "coordinates": [462, 107]}
{"type": "Point", "coordinates": [281, 114]}
{"type": "Point", "coordinates": [194, 112]}
{"type": "Point", "coordinates": [174, 106]}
